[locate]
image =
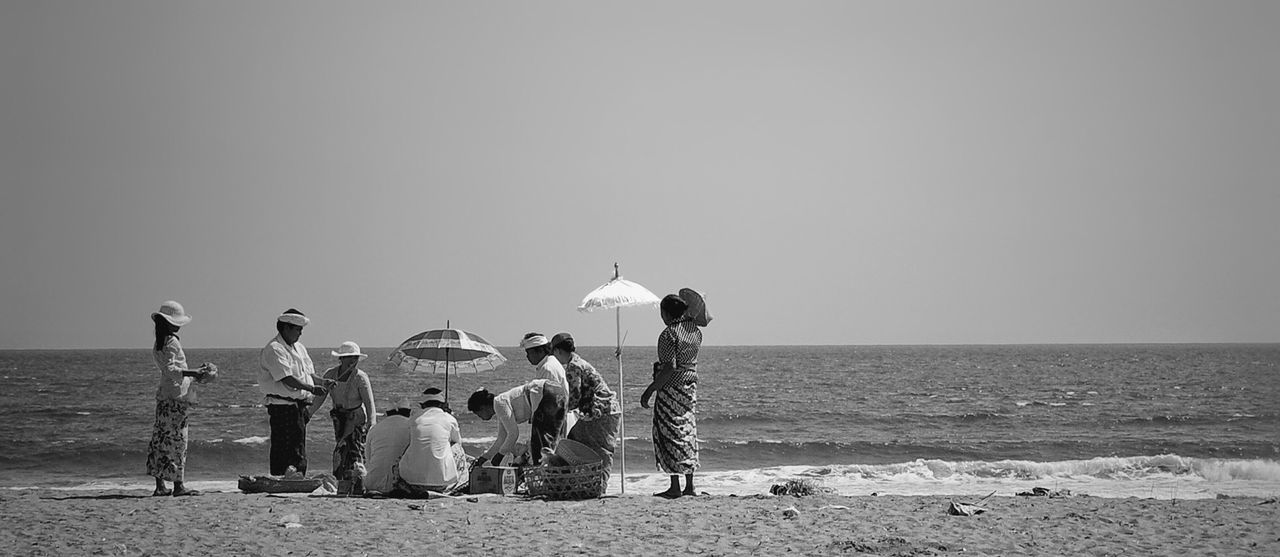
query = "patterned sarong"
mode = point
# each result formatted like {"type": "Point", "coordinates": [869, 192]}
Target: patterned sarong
{"type": "Point", "coordinates": [675, 426]}
{"type": "Point", "coordinates": [600, 434]}
{"type": "Point", "coordinates": [546, 427]}
{"type": "Point", "coordinates": [167, 452]}
{"type": "Point", "coordinates": [350, 426]}
{"type": "Point", "coordinates": [288, 437]}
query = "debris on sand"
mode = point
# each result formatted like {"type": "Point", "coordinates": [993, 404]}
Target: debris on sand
{"type": "Point", "coordinates": [799, 488]}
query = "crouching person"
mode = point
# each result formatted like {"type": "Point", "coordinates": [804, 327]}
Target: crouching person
{"type": "Point", "coordinates": [387, 441]}
{"type": "Point", "coordinates": [434, 460]}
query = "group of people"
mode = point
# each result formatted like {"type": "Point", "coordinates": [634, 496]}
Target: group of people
{"type": "Point", "coordinates": [416, 447]}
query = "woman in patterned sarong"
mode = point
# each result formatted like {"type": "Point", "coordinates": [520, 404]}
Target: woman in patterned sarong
{"type": "Point", "coordinates": [675, 382]}
{"type": "Point", "coordinates": [167, 452]}
{"type": "Point", "coordinates": [353, 411]}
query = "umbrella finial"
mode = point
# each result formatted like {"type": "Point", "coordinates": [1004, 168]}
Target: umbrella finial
{"type": "Point", "coordinates": [615, 270]}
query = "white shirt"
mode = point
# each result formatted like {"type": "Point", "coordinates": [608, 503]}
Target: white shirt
{"type": "Point", "coordinates": [386, 441]}
{"type": "Point", "coordinates": [513, 408]}
{"type": "Point", "coordinates": [429, 459]}
{"type": "Point", "coordinates": [278, 360]}
{"type": "Point", "coordinates": [172, 362]}
{"type": "Point", "coordinates": [551, 370]}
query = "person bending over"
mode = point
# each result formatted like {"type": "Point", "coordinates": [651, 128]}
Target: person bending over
{"type": "Point", "coordinates": [539, 402]}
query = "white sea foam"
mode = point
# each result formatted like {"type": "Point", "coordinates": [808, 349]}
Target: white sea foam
{"type": "Point", "coordinates": [252, 440]}
{"type": "Point", "coordinates": [1158, 477]}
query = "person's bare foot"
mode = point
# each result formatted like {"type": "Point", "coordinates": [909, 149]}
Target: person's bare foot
{"type": "Point", "coordinates": [669, 494]}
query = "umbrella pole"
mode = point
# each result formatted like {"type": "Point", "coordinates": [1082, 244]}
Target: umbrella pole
{"type": "Point", "coordinates": [446, 367]}
{"type": "Point", "coordinates": [622, 430]}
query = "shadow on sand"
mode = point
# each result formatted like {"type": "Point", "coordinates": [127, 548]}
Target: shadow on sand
{"type": "Point", "coordinates": [98, 497]}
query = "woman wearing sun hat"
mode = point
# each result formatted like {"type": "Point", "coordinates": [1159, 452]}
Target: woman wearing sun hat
{"type": "Point", "coordinates": [353, 410]}
{"type": "Point", "coordinates": [675, 384]}
{"type": "Point", "coordinates": [167, 452]}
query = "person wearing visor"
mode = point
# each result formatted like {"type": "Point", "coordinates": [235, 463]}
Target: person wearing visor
{"type": "Point", "coordinates": [287, 380]}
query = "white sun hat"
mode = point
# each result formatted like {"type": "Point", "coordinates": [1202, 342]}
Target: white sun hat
{"type": "Point", "coordinates": [172, 312]}
{"type": "Point", "coordinates": [349, 348]}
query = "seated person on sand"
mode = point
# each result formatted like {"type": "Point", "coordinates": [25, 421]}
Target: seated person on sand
{"type": "Point", "coordinates": [540, 402]}
{"type": "Point", "coordinates": [386, 442]}
{"type": "Point", "coordinates": [434, 460]}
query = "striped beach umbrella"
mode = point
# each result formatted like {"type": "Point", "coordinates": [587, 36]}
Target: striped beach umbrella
{"type": "Point", "coordinates": [444, 351]}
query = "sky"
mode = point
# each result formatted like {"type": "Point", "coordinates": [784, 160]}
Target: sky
{"type": "Point", "coordinates": [842, 172]}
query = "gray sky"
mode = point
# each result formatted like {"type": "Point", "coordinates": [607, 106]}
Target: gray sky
{"type": "Point", "coordinates": [828, 172]}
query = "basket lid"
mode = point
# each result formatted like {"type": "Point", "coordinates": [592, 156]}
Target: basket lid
{"type": "Point", "coordinates": [576, 453]}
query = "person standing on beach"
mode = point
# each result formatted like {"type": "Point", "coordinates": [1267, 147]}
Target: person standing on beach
{"type": "Point", "coordinates": [675, 382]}
{"type": "Point", "coordinates": [598, 410]}
{"type": "Point", "coordinates": [167, 452]}
{"type": "Point", "coordinates": [537, 349]}
{"type": "Point", "coordinates": [285, 377]}
{"type": "Point", "coordinates": [353, 410]}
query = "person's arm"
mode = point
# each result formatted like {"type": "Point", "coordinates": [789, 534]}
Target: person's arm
{"type": "Point", "coordinates": [662, 376]}
{"type": "Point", "coordinates": [318, 402]}
{"type": "Point", "coordinates": [573, 375]}
{"type": "Point", "coordinates": [508, 431]}
{"type": "Point", "coordinates": [664, 368]}
{"type": "Point", "coordinates": [293, 383]}
{"type": "Point", "coordinates": [455, 434]}
{"type": "Point", "coordinates": [366, 398]}
{"type": "Point", "coordinates": [496, 448]}
{"type": "Point", "coordinates": [175, 363]}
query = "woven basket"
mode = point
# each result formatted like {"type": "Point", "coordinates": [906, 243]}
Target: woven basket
{"type": "Point", "coordinates": [584, 481]}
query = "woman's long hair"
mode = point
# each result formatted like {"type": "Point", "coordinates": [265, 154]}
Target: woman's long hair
{"type": "Point", "coordinates": [164, 330]}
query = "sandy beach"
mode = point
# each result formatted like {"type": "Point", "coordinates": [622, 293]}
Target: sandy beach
{"type": "Point", "coordinates": [47, 522]}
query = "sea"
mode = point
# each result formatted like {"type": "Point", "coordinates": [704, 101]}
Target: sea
{"type": "Point", "coordinates": [1165, 421]}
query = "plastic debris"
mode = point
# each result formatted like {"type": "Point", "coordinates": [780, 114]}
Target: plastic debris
{"type": "Point", "coordinates": [968, 509]}
{"type": "Point", "coordinates": [964, 509]}
{"type": "Point", "coordinates": [1044, 492]}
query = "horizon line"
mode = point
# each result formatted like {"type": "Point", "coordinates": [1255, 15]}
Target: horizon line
{"type": "Point", "coordinates": [517, 348]}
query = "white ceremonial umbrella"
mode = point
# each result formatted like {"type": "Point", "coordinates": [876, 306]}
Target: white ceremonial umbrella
{"type": "Point", "coordinates": [617, 294]}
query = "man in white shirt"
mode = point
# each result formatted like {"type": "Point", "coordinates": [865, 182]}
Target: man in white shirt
{"type": "Point", "coordinates": [430, 463]}
{"type": "Point", "coordinates": [386, 442]}
{"type": "Point", "coordinates": [538, 350]}
{"type": "Point", "coordinates": [285, 379]}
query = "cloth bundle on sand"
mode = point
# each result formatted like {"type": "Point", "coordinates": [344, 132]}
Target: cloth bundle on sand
{"type": "Point", "coordinates": [1045, 492]}
{"type": "Point", "coordinates": [968, 509]}
{"type": "Point", "coordinates": [284, 484]}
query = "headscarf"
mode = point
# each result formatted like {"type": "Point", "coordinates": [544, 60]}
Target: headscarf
{"type": "Point", "coordinates": [534, 342]}
{"type": "Point", "coordinates": [294, 317]}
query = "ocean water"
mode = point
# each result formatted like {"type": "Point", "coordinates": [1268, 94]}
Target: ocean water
{"type": "Point", "coordinates": [1165, 421]}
